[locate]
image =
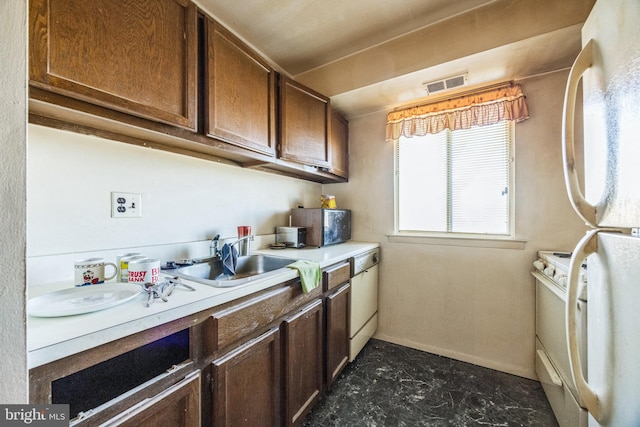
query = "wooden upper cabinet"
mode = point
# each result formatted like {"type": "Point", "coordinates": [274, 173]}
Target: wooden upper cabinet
{"type": "Point", "coordinates": [304, 123]}
{"type": "Point", "coordinates": [134, 56]}
{"type": "Point", "coordinates": [240, 87]}
{"type": "Point", "coordinates": [339, 145]}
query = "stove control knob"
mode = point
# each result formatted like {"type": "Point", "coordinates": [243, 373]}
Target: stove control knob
{"type": "Point", "coordinates": [538, 264]}
{"type": "Point", "coordinates": [549, 271]}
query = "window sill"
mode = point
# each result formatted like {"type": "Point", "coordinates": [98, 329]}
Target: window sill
{"type": "Point", "coordinates": [482, 242]}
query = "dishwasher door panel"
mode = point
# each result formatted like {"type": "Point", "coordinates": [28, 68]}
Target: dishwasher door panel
{"type": "Point", "coordinates": [358, 341]}
{"type": "Point", "coordinates": [364, 298]}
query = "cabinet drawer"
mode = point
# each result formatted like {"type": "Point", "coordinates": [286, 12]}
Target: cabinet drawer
{"type": "Point", "coordinates": [240, 320]}
{"type": "Point", "coordinates": [336, 275]}
{"type": "Point", "coordinates": [177, 406]}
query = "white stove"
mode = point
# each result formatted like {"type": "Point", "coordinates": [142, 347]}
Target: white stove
{"type": "Point", "coordinates": [555, 265]}
{"type": "Point", "coordinates": [552, 354]}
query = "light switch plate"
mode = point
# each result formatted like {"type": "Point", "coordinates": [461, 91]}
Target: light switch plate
{"type": "Point", "coordinates": [126, 205]}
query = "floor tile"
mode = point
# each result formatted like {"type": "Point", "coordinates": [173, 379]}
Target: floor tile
{"type": "Point", "coordinates": [392, 385]}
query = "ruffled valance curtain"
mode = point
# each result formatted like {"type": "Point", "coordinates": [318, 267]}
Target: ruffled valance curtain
{"type": "Point", "coordinates": [477, 109]}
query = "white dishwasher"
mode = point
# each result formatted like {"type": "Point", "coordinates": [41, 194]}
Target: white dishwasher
{"type": "Point", "coordinates": [363, 305]}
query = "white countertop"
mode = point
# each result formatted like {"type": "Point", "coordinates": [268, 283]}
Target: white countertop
{"type": "Point", "coordinates": [53, 338]}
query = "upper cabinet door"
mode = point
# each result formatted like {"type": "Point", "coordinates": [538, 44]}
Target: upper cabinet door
{"type": "Point", "coordinates": [339, 145]}
{"type": "Point", "coordinates": [240, 106]}
{"type": "Point", "coordinates": [134, 56]}
{"type": "Point", "coordinates": [304, 124]}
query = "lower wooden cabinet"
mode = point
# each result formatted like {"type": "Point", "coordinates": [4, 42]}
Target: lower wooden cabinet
{"type": "Point", "coordinates": [247, 383]}
{"type": "Point", "coordinates": [149, 378]}
{"type": "Point", "coordinates": [302, 361]}
{"type": "Point", "coordinates": [250, 388]}
{"type": "Point", "coordinates": [262, 360]}
{"type": "Point", "coordinates": [337, 291]}
{"type": "Point", "coordinates": [337, 346]}
{"type": "Point", "coordinates": [178, 406]}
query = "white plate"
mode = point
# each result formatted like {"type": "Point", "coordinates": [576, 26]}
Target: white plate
{"type": "Point", "coordinates": [86, 299]}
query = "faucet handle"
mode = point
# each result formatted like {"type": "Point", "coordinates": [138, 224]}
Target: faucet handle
{"type": "Point", "coordinates": [214, 249]}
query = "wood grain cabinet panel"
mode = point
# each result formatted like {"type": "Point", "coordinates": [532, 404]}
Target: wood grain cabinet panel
{"type": "Point", "coordinates": [247, 384]}
{"type": "Point", "coordinates": [178, 406]}
{"type": "Point", "coordinates": [339, 145]}
{"type": "Point", "coordinates": [245, 318]}
{"type": "Point", "coordinates": [134, 56]}
{"type": "Point", "coordinates": [241, 93]}
{"type": "Point", "coordinates": [302, 361]}
{"type": "Point", "coordinates": [337, 345]}
{"type": "Point", "coordinates": [336, 275]}
{"type": "Point", "coordinates": [304, 123]}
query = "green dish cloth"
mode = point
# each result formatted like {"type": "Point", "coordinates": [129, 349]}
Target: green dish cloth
{"type": "Point", "coordinates": [309, 274]}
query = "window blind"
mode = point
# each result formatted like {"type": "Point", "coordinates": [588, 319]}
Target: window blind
{"type": "Point", "coordinates": [455, 181]}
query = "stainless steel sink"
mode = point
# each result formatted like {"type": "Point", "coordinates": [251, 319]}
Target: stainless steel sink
{"type": "Point", "coordinates": [250, 267]}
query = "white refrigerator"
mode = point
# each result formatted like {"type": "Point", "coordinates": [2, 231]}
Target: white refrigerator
{"type": "Point", "coordinates": [609, 202]}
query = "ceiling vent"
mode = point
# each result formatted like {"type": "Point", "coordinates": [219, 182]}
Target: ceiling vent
{"type": "Point", "coordinates": [444, 84]}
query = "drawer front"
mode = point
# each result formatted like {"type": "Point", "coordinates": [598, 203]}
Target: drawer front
{"type": "Point", "coordinates": [243, 319]}
{"type": "Point", "coordinates": [177, 406]}
{"type": "Point", "coordinates": [359, 340]}
{"type": "Point", "coordinates": [564, 405]}
{"type": "Point", "coordinates": [336, 275]}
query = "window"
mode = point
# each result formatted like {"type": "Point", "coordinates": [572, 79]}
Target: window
{"type": "Point", "coordinates": [456, 182]}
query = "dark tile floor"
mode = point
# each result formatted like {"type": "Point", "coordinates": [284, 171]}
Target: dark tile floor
{"type": "Point", "coordinates": [392, 385]}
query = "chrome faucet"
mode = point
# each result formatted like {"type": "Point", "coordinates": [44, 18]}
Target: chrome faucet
{"type": "Point", "coordinates": [243, 250]}
{"type": "Point", "coordinates": [214, 246]}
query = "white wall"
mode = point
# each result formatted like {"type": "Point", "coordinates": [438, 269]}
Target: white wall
{"type": "Point", "coordinates": [473, 304]}
{"type": "Point", "coordinates": [13, 118]}
{"type": "Point", "coordinates": [184, 199]}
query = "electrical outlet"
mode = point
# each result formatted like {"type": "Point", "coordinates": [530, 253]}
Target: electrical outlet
{"type": "Point", "coordinates": [126, 205]}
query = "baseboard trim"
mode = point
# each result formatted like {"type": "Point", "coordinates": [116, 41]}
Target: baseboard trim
{"type": "Point", "coordinates": [485, 363]}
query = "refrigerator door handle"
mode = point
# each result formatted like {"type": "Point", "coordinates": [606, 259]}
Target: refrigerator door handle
{"type": "Point", "coordinates": [585, 210]}
{"type": "Point", "coordinates": [586, 247]}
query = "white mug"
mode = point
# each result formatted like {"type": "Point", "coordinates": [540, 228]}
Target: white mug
{"type": "Point", "coordinates": [143, 271]}
{"type": "Point", "coordinates": [123, 264]}
{"type": "Point", "coordinates": [90, 271]}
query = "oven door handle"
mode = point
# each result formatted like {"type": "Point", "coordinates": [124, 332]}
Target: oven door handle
{"type": "Point", "coordinates": [582, 63]}
{"type": "Point", "coordinates": [587, 246]}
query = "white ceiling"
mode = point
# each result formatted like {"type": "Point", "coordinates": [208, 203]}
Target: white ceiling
{"type": "Point", "coordinates": [300, 35]}
{"type": "Point", "coordinates": [372, 55]}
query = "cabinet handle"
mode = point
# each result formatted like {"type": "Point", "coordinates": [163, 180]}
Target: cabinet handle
{"type": "Point", "coordinates": [305, 310]}
{"type": "Point", "coordinates": [548, 367]}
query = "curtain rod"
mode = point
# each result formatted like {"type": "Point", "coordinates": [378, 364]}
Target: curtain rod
{"type": "Point", "coordinates": [457, 95]}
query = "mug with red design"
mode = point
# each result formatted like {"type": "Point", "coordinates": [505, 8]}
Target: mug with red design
{"type": "Point", "coordinates": [142, 271]}
{"type": "Point", "coordinates": [90, 271]}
